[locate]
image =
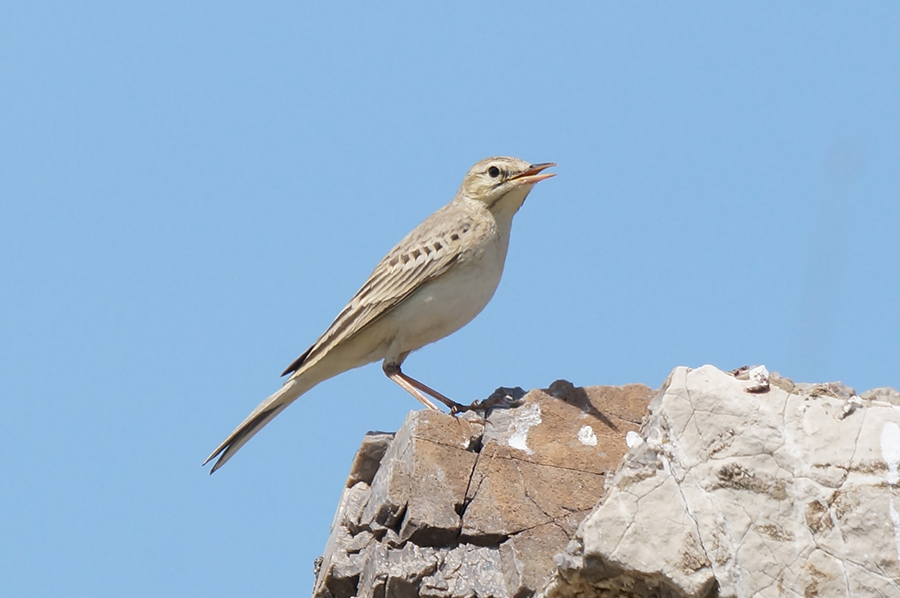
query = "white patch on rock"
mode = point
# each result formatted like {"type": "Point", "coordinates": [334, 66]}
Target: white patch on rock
{"type": "Point", "coordinates": [526, 418]}
{"type": "Point", "coordinates": [890, 452]}
{"type": "Point", "coordinates": [759, 379]}
{"type": "Point", "coordinates": [759, 374]}
{"type": "Point", "coordinates": [633, 439]}
{"type": "Point", "coordinates": [587, 437]}
{"type": "Point", "coordinates": [895, 519]}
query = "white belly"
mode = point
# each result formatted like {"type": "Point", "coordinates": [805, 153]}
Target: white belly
{"type": "Point", "coordinates": [441, 307]}
{"type": "Point", "coordinates": [449, 302]}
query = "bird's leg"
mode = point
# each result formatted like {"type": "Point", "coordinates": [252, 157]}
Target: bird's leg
{"type": "Point", "coordinates": [393, 372]}
{"type": "Point", "coordinates": [453, 405]}
{"type": "Point", "coordinates": [416, 388]}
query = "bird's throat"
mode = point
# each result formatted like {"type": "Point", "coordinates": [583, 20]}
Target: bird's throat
{"type": "Point", "coordinates": [509, 203]}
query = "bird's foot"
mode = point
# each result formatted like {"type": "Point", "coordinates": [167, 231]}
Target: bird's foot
{"type": "Point", "coordinates": [502, 397]}
{"type": "Point", "coordinates": [457, 408]}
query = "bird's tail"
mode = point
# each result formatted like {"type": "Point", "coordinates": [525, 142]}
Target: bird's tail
{"type": "Point", "coordinates": [263, 414]}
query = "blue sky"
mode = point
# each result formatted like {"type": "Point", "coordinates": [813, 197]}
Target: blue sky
{"type": "Point", "coordinates": [190, 193]}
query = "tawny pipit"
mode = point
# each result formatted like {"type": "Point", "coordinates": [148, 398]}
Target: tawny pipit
{"type": "Point", "coordinates": [439, 277]}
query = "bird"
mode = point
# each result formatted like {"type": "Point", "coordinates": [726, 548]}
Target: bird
{"type": "Point", "coordinates": [431, 284]}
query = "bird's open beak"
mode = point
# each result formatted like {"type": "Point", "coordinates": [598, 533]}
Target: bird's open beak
{"type": "Point", "coordinates": [532, 175]}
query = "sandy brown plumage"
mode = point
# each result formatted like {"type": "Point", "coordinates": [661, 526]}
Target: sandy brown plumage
{"type": "Point", "coordinates": [439, 277]}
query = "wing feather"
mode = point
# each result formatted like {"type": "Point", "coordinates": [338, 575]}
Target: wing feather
{"type": "Point", "coordinates": [428, 251]}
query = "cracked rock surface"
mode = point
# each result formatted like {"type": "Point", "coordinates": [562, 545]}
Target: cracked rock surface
{"type": "Point", "coordinates": [465, 507]}
{"type": "Point", "coordinates": [746, 484]}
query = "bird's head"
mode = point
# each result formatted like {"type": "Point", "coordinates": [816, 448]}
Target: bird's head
{"type": "Point", "coordinates": [493, 180]}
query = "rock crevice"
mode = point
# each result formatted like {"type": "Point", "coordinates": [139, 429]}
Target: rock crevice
{"type": "Point", "coordinates": [475, 507]}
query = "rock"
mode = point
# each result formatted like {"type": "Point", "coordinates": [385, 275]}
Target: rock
{"type": "Point", "coordinates": [732, 484]}
{"type": "Point", "coordinates": [738, 488]}
{"type": "Point", "coordinates": [368, 457]}
{"type": "Point", "coordinates": [464, 506]}
{"type": "Point", "coordinates": [423, 478]}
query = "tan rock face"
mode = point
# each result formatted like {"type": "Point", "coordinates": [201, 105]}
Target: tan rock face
{"type": "Point", "coordinates": [476, 507]}
{"type": "Point", "coordinates": [548, 458]}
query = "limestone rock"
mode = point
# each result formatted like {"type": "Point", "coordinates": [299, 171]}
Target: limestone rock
{"type": "Point", "coordinates": [464, 506]}
{"type": "Point", "coordinates": [746, 484]}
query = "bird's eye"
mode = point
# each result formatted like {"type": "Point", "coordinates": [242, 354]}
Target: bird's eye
{"type": "Point", "coordinates": [494, 172]}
